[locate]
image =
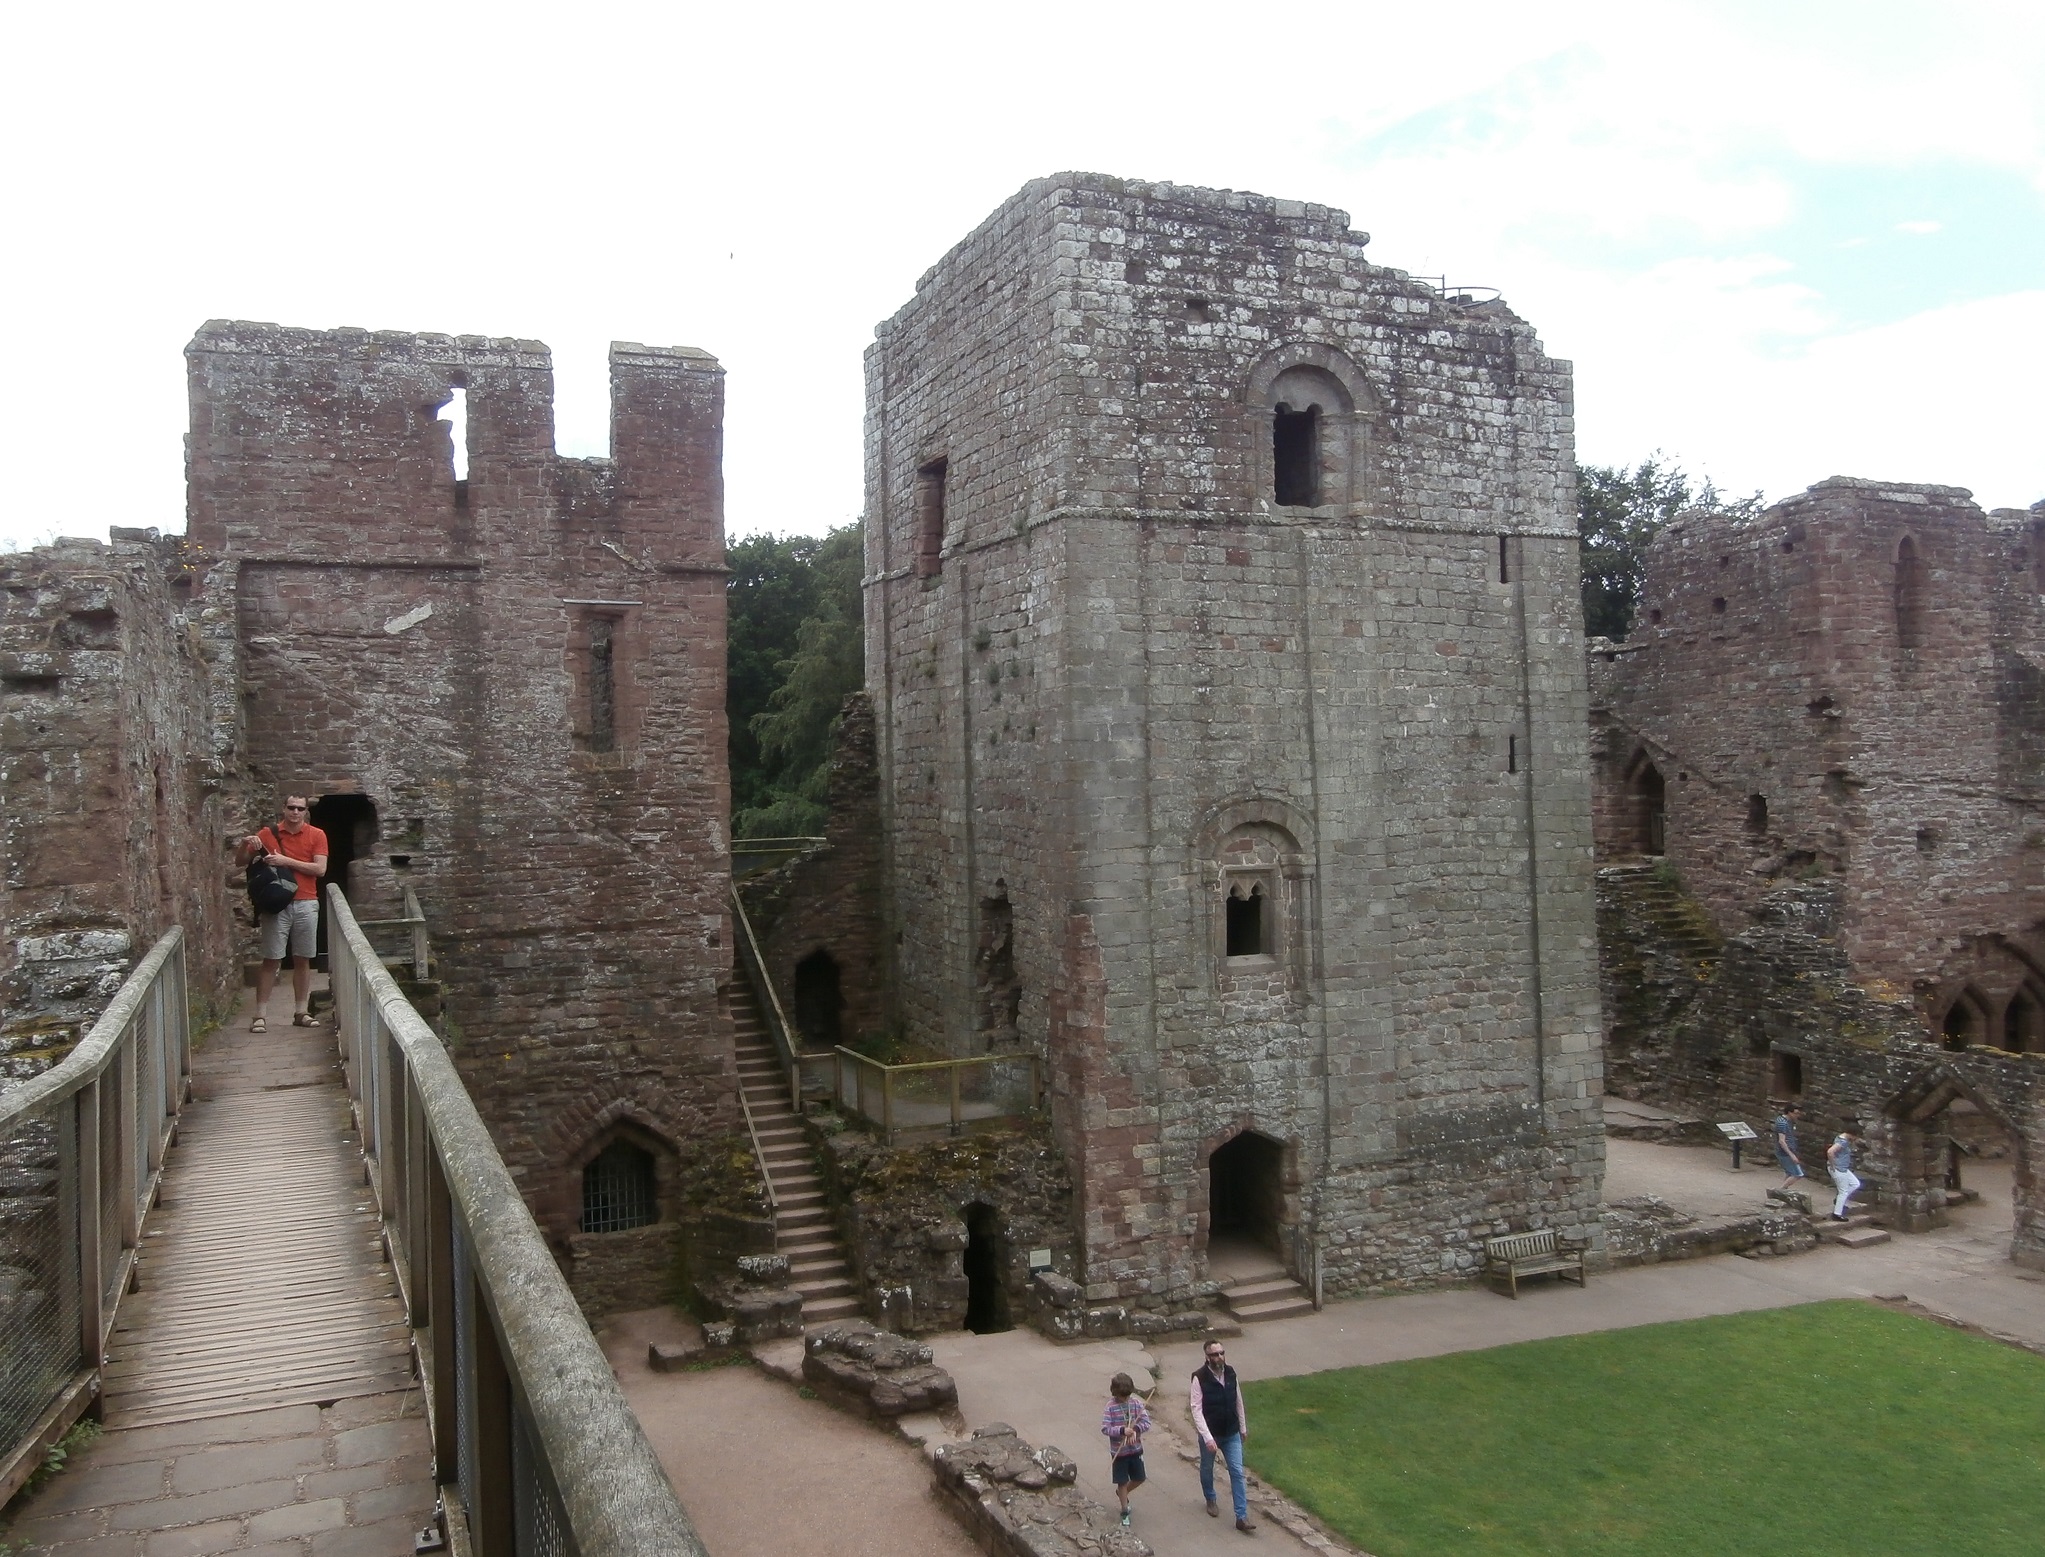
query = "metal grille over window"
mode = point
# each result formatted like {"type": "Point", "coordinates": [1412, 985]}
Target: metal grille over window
{"type": "Point", "coordinates": [617, 1189]}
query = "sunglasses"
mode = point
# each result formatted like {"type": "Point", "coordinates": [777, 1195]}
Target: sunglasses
{"type": "Point", "coordinates": [295, 808]}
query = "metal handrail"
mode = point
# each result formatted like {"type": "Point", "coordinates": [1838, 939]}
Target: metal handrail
{"type": "Point", "coordinates": [760, 1160]}
{"type": "Point", "coordinates": [415, 918]}
{"type": "Point", "coordinates": [533, 1443]}
{"type": "Point", "coordinates": [855, 1097]}
{"type": "Point", "coordinates": [778, 1030]}
{"type": "Point", "coordinates": [93, 1131]}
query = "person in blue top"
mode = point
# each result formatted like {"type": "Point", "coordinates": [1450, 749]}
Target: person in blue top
{"type": "Point", "coordinates": [1784, 1134]}
{"type": "Point", "coordinates": [1839, 1158]}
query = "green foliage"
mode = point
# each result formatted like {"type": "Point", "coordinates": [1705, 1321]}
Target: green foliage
{"type": "Point", "coordinates": [1618, 514]}
{"type": "Point", "coordinates": [795, 649]}
{"type": "Point", "coordinates": [82, 1435]}
{"type": "Point", "coordinates": [1832, 1427]}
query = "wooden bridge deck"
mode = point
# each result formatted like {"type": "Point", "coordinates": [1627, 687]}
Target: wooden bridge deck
{"type": "Point", "coordinates": [263, 1283]}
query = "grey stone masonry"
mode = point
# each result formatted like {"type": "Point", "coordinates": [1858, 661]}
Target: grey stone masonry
{"type": "Point", "coordinates": [1224, 643]}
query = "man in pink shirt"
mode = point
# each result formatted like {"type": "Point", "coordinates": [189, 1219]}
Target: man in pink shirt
{"type": "Point", "coordinates": [1223, 1424]}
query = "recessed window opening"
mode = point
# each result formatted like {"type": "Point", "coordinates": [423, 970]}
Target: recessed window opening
{"type": "Point", "coordinates": [1650, 807]}
{"type": "Point", "coordinates": [1504, 561]}
{"type": "Point", "coordinates": [930, 479]}
{"type": "Point", "coordinates": [602, 684]}
{"type": "Point", "coordinates": [1909, 596]}
{"type": "Point", "coordinates": [1247, 931]}
{"type": "Point", "coordinates": [617, 1190]}
{"type": "Point", "coordinates": [1512, 754]}
{"type": "Point", "coordinates": [1000, 989]}
{"type": "Point", "coordinates": [1296, 456]}
{"type": "Point", "coordinates": [1718, 606]}
{"type": "Point", "coordinates": [1757, 814]}
{"type": "Point", "coordinates": [1789, 1075]}
{"type": "Point", "coordinates": [456, 415]}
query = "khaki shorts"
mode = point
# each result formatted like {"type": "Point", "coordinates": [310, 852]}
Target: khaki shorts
{"type": "Point", "coordinates": [299, 921]}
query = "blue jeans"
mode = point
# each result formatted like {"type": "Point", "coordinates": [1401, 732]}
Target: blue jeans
{"type": "Point", "coordinates": [1231, 1449]}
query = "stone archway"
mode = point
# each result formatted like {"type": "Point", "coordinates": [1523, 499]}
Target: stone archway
{"type": "Point", "coordinates": [1246, 1194]}
{"type": "Point", "coordinates": [1923, 1141]}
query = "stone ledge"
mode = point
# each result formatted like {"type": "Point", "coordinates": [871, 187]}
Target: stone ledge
{"type": "Point", "coordinates": [1017, 1500]}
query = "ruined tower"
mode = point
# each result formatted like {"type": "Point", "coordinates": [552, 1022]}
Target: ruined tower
{"type": "Point", "coordinates": [501, 678]}
{"type": "Point", "coordinates": [1223, 634]}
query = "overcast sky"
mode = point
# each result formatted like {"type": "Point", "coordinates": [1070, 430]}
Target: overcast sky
{"type": "Point", "coordinates": [1780, 241]}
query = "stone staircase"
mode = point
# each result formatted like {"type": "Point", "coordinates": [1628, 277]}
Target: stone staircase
{"type": "Point", "coordinates": [1256, 1295]}
{"type": "Point", "coordinates": [1858, 1231]}
{"type": "Point", "coordinates": [817, 1267]}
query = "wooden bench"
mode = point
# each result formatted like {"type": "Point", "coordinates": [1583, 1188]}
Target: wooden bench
{"type": "Point", "coordinates": [1531, 1254]}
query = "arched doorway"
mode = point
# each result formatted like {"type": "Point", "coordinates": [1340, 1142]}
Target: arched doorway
{"type": "Point", "coordinates": [818, 1000]}
{"type": "Point", "coordinates": [986, 1271]}
{"type": "Point", "coordinates": [1649, 794]}
{"type": "Point", "coordinates": [1246, 1193]}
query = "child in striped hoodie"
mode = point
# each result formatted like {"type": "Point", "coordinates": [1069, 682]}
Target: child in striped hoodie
{"type": "Point", "coordinates": [1125, 1422]}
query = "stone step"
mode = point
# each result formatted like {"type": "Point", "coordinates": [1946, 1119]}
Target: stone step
{"type": "Point", "coordinates": [793, 1181]}
{"type": "Point", "coordinates": [822, 1287]}
{"type": "Point", "coordinates": [791, 1222]}
{"type": "Point", "coordinates": [832, 1268]}
{"type": "Point", "coordinates": [799, 1246]}
{"type": "Point", "coordinates": [824, 1310]}
{"type": "Point", "coordinates": [786, 1151]}
{"type": "Point", "coordinates": [1272, 1308]}
{"type": "Point", "coordinates": [1257, 1289]}
{"type": "Point", "coordinates": [1862, 1237]}
{"type": "Point", "coordinates": [800, 1200]}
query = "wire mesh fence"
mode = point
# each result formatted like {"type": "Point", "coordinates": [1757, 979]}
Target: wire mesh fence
{"type": "Point", "coordinates": [81, 1147]}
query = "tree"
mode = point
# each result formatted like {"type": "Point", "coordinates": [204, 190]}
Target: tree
{"type": "Point", "coordinates": [1618, 514]}
{"type": "Point", "coordinates": [795, 650]}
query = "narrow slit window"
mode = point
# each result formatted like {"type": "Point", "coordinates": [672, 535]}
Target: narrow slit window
{"type": "Point", "coordinates": [930, 480]}
{"type": "Point", "coordinates": [1296, 456]}
{"type": "Point", "coordinates": [1246, 927]}
{"type": "Point", "coordinates": [1512, 754]}
{"type": "Point", "coordinates": [1757, 814]}
{"type": "Point", "coordinates": [1909, 596]}
{"type": "Point", "coordinates": [1504, 562]}
{"type": "Point", "coordinates": [617, 1190]}
{"type": "Point", "coordinates": [603, 684]}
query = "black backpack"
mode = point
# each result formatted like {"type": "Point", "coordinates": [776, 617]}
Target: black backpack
{"type": "Point", "coordinates": [271, 887]}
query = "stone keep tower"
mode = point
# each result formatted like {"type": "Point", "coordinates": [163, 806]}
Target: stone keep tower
{"type": "Point", "coordinates": [1223, 628]}
{"type": "Point", "coordinates": [505, 688]}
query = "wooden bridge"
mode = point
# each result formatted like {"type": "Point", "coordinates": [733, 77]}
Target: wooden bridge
{"type": "Point", "coordinates": [295, 1283]}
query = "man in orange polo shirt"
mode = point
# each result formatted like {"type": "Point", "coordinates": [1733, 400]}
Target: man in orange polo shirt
{"type": "Point", "coordinates": [297, 845]}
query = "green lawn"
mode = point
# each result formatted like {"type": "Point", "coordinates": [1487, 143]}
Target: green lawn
{"type": "Point", "coordinates": [1824, 1430]}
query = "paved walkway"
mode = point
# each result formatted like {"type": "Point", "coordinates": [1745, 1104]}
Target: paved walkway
{"type": "Point", "coordinates": [258, 1394]}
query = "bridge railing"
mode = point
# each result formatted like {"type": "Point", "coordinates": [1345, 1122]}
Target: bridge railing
{"type": "Point", "coordinates": [81, 1153]}
{"type": "Point", "coordinates": [534, 1447]}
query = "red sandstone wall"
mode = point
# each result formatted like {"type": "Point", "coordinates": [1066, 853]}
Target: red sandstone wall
{"type": "Point", "coordinates": [111, 769]}
{"type": "Point", "coordinates": [429, 644]}
{"type": "Point", "coordinates": [1895, 743]}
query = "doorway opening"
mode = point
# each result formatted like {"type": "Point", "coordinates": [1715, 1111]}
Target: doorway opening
{"type": "Point", "coordinates": [819, 1001]}
{"type": "Point", "coordinates": [986, 1262]}
{"type": "Point", "coordinates": [349, 821]}
{"type": "Point", "coordinates": [1246, 1193]}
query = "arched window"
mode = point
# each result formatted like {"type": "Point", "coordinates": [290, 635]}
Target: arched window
{"type": "Point", "coordinates": [1308, 406]}
{"type": "Point", "coordinates": [2023, 1023]}
{"type": "Point", "coordinates": [618, 1190]}
{"type": "Point", "coordinates": [1248, 935]}
{"type": "Point", "coordinates": [1965, 1021]}
{"type": "Point", "coordinates": [1909, 595]}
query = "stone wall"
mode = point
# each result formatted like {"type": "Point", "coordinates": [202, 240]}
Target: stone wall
{"type": "Point", "coordinates": [117, 744]}
{"type": "Point", "coordinates": [1126, 670]}
{"type": "Point", "coordinates": [507, 690]}
{"type": "Point", "coordinates": [1846, 687]}
{"type": "Point", "coordinates": [903, 1214]}
{"type": "Point", "coordinates": [827, 903]}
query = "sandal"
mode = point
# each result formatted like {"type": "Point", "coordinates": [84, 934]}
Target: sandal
{"type": "Point", "coordinates": [304, 1019]}
{"type": "Point", "coordinates": [259, 1026]}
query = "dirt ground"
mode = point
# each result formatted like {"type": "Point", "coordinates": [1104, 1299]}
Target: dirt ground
{"type": "Point", "coordinates": [766, 1473]}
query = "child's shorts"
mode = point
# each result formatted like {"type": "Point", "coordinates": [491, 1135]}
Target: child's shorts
{"type": "Point", "coordinates": [1129, 1469]}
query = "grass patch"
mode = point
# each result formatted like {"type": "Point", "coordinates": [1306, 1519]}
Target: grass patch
{"type": "Point", "coordinates": [1830, 1427]}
